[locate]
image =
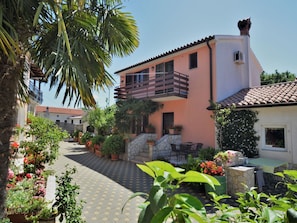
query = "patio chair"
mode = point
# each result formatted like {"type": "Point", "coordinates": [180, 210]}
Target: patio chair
{"type": "Point", "coordinates": [175, 152]}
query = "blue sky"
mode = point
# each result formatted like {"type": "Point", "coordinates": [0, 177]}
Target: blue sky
{"type": "Point", "coordinates": [167, 24]}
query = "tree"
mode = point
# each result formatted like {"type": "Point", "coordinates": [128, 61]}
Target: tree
{"type": "Point", "coordinates": [72, 41]}
{"type": "Point", "coordinates": [276, 77]}
{"type": "Point", "coordinates": [102, 119]}
{"type": "Point", "coordinates": [133, 111]}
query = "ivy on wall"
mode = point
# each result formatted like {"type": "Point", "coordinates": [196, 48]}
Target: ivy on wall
{"type": "Point", "coordinates": [235, 130]}
{"type": "Point", "coordinates": [239, 133]}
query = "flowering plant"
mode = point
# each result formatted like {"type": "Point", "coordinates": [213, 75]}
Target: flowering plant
{"type": "Point", "coordinates": [211, 168]}
{"type": "Point", "coordinates": [14, 146]}
{"type": "Point", "coordinates": [224, 158]}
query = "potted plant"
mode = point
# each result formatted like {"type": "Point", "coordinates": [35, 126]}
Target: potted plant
{"type": "Point", "coordinates": [86, 139]}
{"type": "Point", "coordinates": [150, 142]}
{"type": "Point", "coordinates": [76, 135]}
{"type": "Point", "coordinates": [97, 142]}
{"type": "Point", "coordinates": [22, 202]}
{"type": "Point", "coordinates": [150, 129]}
{"type": "Point", "coordinates": [114, 145]}
{"type": "Point", "coordinates": [176, 129]}
{"type": "Point", "coordinates": [211, 168]}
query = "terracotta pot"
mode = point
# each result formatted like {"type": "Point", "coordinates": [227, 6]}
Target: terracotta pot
{"type": "Point", "coordinates": [115, 157]}
{"type": "Point", "coordinates": [18, 218]}
{"type": "Point", "coordinates": [49, 220]}
{"type": "Point", "coordinates": [98, 153]}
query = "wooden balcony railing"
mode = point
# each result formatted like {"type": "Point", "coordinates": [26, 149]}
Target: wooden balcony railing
{"type": "Point", "coordinates": [35, 93]}
{"type": "Point", "coordinates": [163, 86]}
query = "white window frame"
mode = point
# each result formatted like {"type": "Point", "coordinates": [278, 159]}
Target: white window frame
{"type": "Point", "coordinates": [263, 137]}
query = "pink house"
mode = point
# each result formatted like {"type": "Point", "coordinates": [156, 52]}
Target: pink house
{"type": "Point", "coordinates": [184, 80]}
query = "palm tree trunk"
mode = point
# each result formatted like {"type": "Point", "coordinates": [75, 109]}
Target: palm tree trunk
{"type": "Point", "coordinates": [9, 77]}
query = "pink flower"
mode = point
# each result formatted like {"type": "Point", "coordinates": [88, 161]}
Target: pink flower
{"type": "Point", "coordinates": [10, 174]}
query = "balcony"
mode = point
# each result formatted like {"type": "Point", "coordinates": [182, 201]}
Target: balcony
{"type": "Point", "coordinates": [164, 87]}
{"type": "Point", "coordinates": [35, 93]}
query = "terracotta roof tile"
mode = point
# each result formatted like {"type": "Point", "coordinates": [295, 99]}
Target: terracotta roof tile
{"type": "Point", "coordinates": [265, 95]}
{"type": "Point", "coordinates": [70, 111]}
{"type": "Point", "coordinates": [204, 40]}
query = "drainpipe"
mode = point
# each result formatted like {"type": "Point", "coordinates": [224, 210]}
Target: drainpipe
{"type": "Point", "coordinates": [210, 71]}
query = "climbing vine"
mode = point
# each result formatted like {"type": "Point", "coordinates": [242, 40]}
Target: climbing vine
{"type": "Point", "coordinates": [235, 130]}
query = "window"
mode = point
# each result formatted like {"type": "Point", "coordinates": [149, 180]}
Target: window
{"type": "Point", "coordinates": [193, 60]}
{"type": "Point", "coordinates": [137, 78]}
{"type": "Point", "coordinates": [275, 137]}
{"type": "Point", "coordinates": [164, 68]}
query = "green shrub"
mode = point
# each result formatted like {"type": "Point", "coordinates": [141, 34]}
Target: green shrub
{"type": "Point", "coordinates": [86, 136]}
{"type": "Point", "coordinates": [98, 139]}
{"type": "Point", "coordinates": [114, 144]}
{"type": "Point", "coordinates": [207, 153]}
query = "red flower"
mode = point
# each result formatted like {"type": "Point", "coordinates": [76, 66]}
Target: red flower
{"type": "Point", "coordinates": [29, 175]}
{"type": "Point", "coordinates": [14, 145]}
{"type": "Point", "coordinates": [211, 168]}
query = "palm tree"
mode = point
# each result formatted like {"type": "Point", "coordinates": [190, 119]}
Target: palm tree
{"type": "Point", "coordinates": [72, 41]}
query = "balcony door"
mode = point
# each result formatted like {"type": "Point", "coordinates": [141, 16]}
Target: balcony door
{"type": "Point", "coordinates": [162, 70]}
{"type": "Point", "coordinates": [168, 121]}
{"type": "Point", "coordinates": [138, 79]}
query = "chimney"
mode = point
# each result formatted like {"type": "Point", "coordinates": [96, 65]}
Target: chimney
{"type": "Point", "coordinates": [244, 26]}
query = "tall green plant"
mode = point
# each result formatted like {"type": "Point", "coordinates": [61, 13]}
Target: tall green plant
{"type": "Point", "coordinates": [235, 129]}
{"type": "Point", "coordinates": [102, 119]}
{"type": "Point", "coordinates": [67, 203]}
{"type": "Point", "coordinates": [73, 42]}
{"type": "Point", "coordinates": [162, 203]}
{"type": "Point", "coordinates": [44, 138]}
{"type": "Point", "coordinates": [131, 111]}
{"type": "Point", "coordinates": [221, 118]}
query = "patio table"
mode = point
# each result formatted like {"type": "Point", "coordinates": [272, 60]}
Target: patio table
{"type": "Point", "coordinates": [268, 165]}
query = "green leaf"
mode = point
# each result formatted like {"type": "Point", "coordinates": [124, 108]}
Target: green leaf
{"type": "Point", "coordinates": [194, 176]}
{"type": "Point", "coordinates": [270, 215]}
{"type": "Point", "coordinates": [292, 215]}
{"type": "Point", "coordinates": [146, 214]}
{"type": "Point", "coordinates": [157, 198]}
{"type": "Point", "coordinates": [132, 197]}
{"type": "Point", "coordinates": [162, 215]}
{"type": "Point", "coordinates": [147, 170]}
{"type": "Point", "coordinates": [190, 201]}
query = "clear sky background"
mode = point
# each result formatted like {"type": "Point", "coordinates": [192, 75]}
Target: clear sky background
{"type": "Point", "coordinates": [168, 24]}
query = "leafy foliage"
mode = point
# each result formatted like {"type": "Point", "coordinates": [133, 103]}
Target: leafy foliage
{"type": "Point", "coordinates": [235, 130]}
{"type": "Point", "coordinates": [239, 133]}
{"type": "Point", "coordinates": [276, 77]}
{"type": "Point", "coordinates": [69, 208]}
{"type": "Point", "coordinates": [113, 144]}
{"type": "Point", "coordinates": [102, 119]}
{"type": "Point", "coordinates": [133, 111]}
{"type": "Point", "coordinates": [162, 204]}
{"type": "Point", "coordinates": [44, 146]}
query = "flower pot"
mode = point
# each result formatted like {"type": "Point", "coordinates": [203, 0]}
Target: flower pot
{"type": "Point", "coordinates": [220, 189]}
{"type": "Point", "coordinates": [150, 142]}
{"type": "Point", "coordinates": [49, 220]}
{"type": "Point", "coordinates": [171, 131]}
{"type": "Point", "coordinates": [98, 153]}
{"type": "Point", "coordinates": [115, 157]}
{"type": "Point", "coordinates": [17, 218]}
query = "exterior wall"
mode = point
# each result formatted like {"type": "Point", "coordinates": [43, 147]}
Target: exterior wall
{"type": "Point", "coordinates": [230, 76]}
{"type": "Point", "coordinates": [56, 116]}
{"type": "Point", "coordinates": [284, 117]}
